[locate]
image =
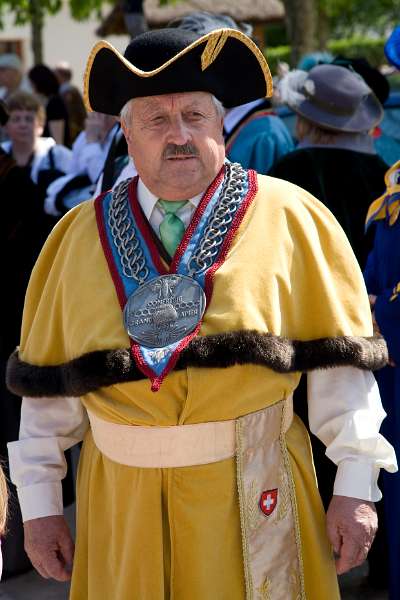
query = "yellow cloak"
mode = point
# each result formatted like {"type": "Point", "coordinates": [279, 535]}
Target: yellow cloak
{"type": "Point", "coordinates": [289, 297]}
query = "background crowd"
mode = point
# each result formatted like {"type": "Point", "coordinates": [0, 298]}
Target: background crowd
{"type": "Point", "coordinates": [53, 156]}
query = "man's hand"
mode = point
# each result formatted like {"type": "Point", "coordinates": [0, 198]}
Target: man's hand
{"type": "Point", "coordinates": [49, 545]}
{"type": "Point", "coordinates": [351, 524]}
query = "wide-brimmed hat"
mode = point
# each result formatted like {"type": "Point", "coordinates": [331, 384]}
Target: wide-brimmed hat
{"type": "Point", "coordinates": [371, 75]}
{"type": "Point", "coordinates": [224, 62]}
{"type": "Point", "coordinates": [332, 97]}
{"type": "Point", "coordinates": [392, 48]}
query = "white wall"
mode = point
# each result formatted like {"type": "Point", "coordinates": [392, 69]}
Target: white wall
{"type": "Point", "coordinates": [64, 39]}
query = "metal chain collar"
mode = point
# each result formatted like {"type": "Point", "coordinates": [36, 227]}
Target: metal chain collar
{"type": "Point", "coordinates": [128, 245]}
{"type": "Point", "coordinates": [219, 220]}
{"type": "Point", "coordinates": [123, 232]}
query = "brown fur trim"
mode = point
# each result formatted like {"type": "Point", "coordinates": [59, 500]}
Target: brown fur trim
{"type": "Point", "coordinates": [108, 367]}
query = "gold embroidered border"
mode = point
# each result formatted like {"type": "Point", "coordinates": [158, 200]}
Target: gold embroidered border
{"type": "Point", "coordinates": [265, 589]}
{"type": "Point", "coordinates": [242, 501]}
{"type": "Point", "coordinates": [284, 503]}
{"type": "Point", "coordinates": [292, 495]}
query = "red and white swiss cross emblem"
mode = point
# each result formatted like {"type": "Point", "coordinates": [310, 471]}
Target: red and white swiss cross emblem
{"type": "Point", "coordinates": [268, 501]}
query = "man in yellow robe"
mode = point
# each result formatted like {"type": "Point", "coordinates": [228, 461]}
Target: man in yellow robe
{"type": "Point", "coordinates": [167, 324]}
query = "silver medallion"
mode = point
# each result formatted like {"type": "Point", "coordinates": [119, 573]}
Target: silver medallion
{"type": "Point", "coordinates": [164, 310]}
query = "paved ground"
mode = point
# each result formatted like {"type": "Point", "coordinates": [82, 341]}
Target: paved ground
{"type": "Point", "coordinates": [32, 587]}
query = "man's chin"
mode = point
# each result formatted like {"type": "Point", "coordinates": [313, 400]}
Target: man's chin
{"type": "Point", "coordinates": [182, 183]}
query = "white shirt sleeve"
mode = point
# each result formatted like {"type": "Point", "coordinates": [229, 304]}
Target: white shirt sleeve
{"type": "Point", "coordinates": [87, 157]}
{"type": "Point", "coordinates": [92, 159]}
{"type": "Point", "coordinates": [62, 158]}
{"type": "Point", "coordinates": [345, 412]}
{"type": "Point", "coordinates": [49, 426]}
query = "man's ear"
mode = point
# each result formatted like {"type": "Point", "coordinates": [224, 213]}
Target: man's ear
{"type": "Point", "coordinates": [127, 132]}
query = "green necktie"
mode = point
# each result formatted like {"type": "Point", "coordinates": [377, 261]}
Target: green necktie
{"type": "Point", "coordinates": [171, 227]}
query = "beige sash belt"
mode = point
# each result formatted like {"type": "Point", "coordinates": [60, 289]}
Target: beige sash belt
{"type": "Point", "coordinates": [164, 447]}
{"type": "Point", "coordinates": [271, 535]}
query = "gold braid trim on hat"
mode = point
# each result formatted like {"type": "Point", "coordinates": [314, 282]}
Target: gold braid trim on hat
{"type": "Point", "coordinates": [212, 49]}
{"type": "Point", "coordinates": [215, 42]}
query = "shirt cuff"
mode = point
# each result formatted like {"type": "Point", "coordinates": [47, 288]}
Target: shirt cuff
{"type": "Point", "coordinates": [357, 479]}
{"type": "Point", "coordinates": [40, 500]}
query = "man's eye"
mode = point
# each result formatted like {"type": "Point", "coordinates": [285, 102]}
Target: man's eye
{"type": "Point", "coordinates": [195, 115]}
{"type": "Point", "coordinates": [157, 120]}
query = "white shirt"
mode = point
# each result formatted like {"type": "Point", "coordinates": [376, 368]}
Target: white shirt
{"type": "Point", "coordinates": [88, 158]}
{"type": "Point", "coordinates": [345, 413]}
{"type": "Point", "coordinates": [155, 215]}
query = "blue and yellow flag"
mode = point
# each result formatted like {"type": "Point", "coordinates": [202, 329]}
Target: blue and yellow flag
{"type": "Point", "coordinates": [387, 206]}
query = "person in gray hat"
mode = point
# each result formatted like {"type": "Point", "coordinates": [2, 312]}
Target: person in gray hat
{"type": "Point", "coordinates": [335, 159]}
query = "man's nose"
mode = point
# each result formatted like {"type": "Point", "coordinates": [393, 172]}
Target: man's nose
{"type": "Point", "coordinates": [179, 133]}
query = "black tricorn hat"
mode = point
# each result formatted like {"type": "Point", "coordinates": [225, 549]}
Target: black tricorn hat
{"type": "Point", "coordinates": [225, 62]}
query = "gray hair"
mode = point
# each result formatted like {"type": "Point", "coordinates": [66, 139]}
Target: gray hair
{"type": "Point", "coordinates": [126, 111]}
{"type": "Point", "coordinates": [203, 22]}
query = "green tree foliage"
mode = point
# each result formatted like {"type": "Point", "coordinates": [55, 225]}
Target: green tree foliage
{"type": "Point", "coordinates": [34, 12]}
{"type": "Point", "coordinates": [82, 9]}
{"type": "Point", "coordinates": [371, 49]}
{"type": "Point", "coordinates": [349, 17]}
{"type": "Point", "coordinates": [164, 2]}
{"type": "Point", "coordinates": [23, 9]}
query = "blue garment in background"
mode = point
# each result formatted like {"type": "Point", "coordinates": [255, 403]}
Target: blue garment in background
{"type": "Point", "coordinates": [260, 143]}
{"type": "Point", "coordinates": [382, 274]}
{"type": "Point", "coordinates": [388, 143]}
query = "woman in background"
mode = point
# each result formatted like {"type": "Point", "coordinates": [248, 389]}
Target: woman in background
{"type": "Point", "coordinates": [46, 86]}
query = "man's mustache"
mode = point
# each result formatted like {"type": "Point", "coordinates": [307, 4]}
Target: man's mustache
{"type": "Point", "coordinates": [174, 150]}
